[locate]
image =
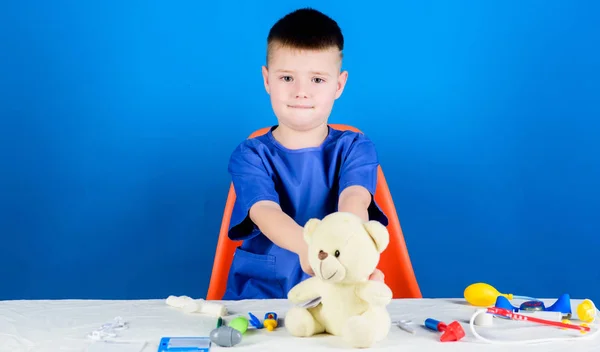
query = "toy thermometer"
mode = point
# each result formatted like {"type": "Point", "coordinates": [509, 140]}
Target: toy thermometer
{"type": "Point", "coordinates": [184, 344]}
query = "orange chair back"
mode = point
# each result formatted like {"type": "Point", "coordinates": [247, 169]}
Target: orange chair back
{"type": "Point", "coordinates": [395, 261]}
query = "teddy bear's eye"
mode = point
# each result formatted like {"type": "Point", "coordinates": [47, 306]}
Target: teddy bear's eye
{"type": "Point", "coordinates": [337, 254]}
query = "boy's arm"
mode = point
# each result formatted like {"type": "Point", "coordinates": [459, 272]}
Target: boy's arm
{"type": "Point", "coordinates": [355, 199]}
{"type": "Point", "coordinates": [281, 229]}
{"type": "Point", "coordinates": [257, 205]}
{"type": "Point", "coordinates": [358, 180]}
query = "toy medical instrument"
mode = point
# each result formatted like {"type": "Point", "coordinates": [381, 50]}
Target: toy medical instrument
{"type": "Point", "coordinates": [229, 335]}
{"type": "Point", "coordinates": [484, 320]}
{"type": "Point", "coordinates": [310, 303]}
{"type": "Point", "coordinates": [524, 317]}
{"type": "Point", "coordinates": [558, 311]}
{"type": "Point", "coordinates": [184, 344]}
{"type": "Point", "coordinates": [107, 330]}
{"type": "Point", "coordinates": [225, 336]}
{"type": "Point", "coordinates": [270, 322]}
{"type": "Point", "coordinates": [240, 324]}
{"type": "Point", "coordinates": [404, 325]}
{"type": "Point", "coordinates": [451, 332]}
{"type": "Point", "coordinates": [484, 295]}
{"type": "Point", "coordinates": [586, 311]}
{"type": "Point", "coordinates": [254, 321]}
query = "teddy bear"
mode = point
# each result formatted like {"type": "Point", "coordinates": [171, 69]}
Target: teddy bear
{"type": "Point", "coordinates": [343, 251]}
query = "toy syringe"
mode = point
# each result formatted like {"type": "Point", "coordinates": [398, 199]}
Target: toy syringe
{"type": "Point", "coordinates": [514, 316]}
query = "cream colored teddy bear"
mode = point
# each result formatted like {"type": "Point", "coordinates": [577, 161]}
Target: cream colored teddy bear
{"type": "Point", "coordinates": [343, 252]}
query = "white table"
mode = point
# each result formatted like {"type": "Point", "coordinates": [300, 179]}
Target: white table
{"type": "Point", "coordinates": [63, 325]}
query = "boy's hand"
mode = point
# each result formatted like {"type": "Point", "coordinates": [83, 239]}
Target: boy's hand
{"type": "Point", "coordinates": [377, 275]}
{"type": "Point", "coordinates": [306, 266]}
{"type": "Point", "coordinates": [304, 261]}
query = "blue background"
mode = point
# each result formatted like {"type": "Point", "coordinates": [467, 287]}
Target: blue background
{"type": "Point", "coordinates": [118, 118]}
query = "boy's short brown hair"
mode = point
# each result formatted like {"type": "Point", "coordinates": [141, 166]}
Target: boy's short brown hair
{"type": "Point", "coordinates": [305, 29]}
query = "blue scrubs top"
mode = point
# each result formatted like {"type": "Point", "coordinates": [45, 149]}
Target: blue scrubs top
{"type": "Point", "coordinates": [306, 183]}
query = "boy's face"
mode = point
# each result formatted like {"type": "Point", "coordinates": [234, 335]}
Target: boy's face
{"type": "Point", "coordinates": [303, 85]}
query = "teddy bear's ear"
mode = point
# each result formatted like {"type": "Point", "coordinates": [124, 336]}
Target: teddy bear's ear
{"type": "Point", "coordinates": [309, 229]}
{"type": "Point", "coordinates": [379, 234]}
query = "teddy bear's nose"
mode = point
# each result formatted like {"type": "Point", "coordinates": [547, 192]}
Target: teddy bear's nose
{"type": "Point", "coordinates": [322, 255]}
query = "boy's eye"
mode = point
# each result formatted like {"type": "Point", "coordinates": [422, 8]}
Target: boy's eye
{"type": "Point", "coordinates": [287, 78]}
{"type": "Point", "coordinates": [318, 80]}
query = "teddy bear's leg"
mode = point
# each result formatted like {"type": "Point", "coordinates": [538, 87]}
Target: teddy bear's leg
{"type": "Point", "coordinates": [365, 330]}
{"type": "Point", "coordinates": [300, 322]}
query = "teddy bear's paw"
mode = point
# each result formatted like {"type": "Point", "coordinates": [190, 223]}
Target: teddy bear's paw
{"type": "Point", "coordinates": [359, 332]}
{"type": "Point", "coordinates": [376, 293]}
{"type": "Point", "coordinates": [299, 322]}
{"type": "Point", "coordinates": [381, 300]}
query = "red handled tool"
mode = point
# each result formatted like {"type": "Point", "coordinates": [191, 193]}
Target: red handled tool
{"type": "Point", "coordinates": [514, 316]}
{"type": "Point", "coordinates": [451, 332]}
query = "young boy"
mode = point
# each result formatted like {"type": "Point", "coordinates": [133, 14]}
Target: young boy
{"type": "Point", "coordinates": [302, 168]}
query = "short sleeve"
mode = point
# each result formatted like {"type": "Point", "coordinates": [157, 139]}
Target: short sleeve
{"type": "Point", "coordinates": [359, 168]}
{"type": "Point", "coordinates": [252, 183]}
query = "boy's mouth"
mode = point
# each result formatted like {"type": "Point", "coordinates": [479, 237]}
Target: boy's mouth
{"type": "Point", "coordinates": [300, 106]}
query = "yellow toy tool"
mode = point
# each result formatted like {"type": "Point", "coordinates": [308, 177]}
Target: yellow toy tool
{"type": "Point", "coordinates": [270, 321]}
{"type": "Point", "coordinates": [484, 295]}
{"type": "Point", "coordinates": [586, 311]}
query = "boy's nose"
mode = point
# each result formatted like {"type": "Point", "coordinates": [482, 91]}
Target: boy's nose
{"type": "Point", "coordinates": [322, 255]}
{"type": "Point", "coordinates": [301, 91]}
{"type": "Point", "coordinates": [301, 95]}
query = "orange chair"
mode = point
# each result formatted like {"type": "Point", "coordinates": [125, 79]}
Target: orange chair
{"type": "Point", "coordinates": [395, 261]}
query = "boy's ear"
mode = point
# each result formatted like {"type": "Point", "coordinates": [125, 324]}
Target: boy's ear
{"type": "Point", "coordinates": [309, 229]}
{"type": "Point", "coordinates": [342, 79]}
{"type": "Point", "coordinates": [265, 74]}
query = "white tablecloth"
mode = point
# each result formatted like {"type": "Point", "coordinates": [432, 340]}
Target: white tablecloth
{"type": "Point", "coordinates": [63, 325]}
